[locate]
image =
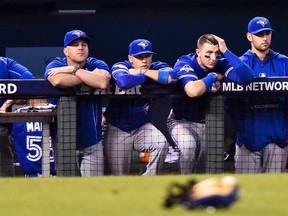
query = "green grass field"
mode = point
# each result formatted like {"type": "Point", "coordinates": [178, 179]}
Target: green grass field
{"type": "Point", "coordinates": [261, 194]}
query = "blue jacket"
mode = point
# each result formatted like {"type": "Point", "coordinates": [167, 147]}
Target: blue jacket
{"type": "Point", "coordinates": [89, 109]}
{"type": "Point", "coordinates": [261, 120]}
{"type": "Point", "coordinates": [131, 113]}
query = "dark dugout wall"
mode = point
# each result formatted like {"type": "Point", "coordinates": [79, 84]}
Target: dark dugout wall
{"type": "Point", "coordinates": [173, 31]}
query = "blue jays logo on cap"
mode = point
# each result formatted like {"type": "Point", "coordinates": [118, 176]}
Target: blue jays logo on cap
{"type": "Point", "coordinates": [78, 33]}
{"type": "Point", "coordinates": [262, 22]}
{"type": "Point", "coordinates": [143, 44]}
{"type": "Point", "coordinates": [258, 24]}
{"type": "Point", "coordinates": [73, 35]}
{"type": "Point", "coordinates": [140, 46]}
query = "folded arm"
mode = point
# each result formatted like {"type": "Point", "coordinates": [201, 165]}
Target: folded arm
{"type": "Point", "coordinates": [69, 76]}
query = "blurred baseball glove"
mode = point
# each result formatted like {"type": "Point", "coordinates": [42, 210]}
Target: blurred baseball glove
{"type": "Point", "coordinates": [210, 192]}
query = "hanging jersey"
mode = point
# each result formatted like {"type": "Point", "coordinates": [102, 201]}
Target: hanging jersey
{"type": "Point", "coordinates": [27, 141]}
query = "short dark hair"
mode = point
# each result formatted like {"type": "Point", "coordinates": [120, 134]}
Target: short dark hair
{"type": "Point", "coordinates": [206, 38]}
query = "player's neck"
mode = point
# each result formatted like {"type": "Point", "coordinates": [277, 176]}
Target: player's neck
{"type": "Point", "coordinates": [73, 63]}
{"type": "Point", "coordinates": [261, 54]}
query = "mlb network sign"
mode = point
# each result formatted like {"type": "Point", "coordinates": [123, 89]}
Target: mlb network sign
{"type": "Point", "coordinates": [259, 85]}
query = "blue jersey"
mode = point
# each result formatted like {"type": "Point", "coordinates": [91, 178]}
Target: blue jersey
{"type": "Point", "coordinates": [130, 113]}
{"type": "Point", "coordinates": [10, 69]}
{"type": "Point", "coordinates": [261, 120]}
{"type": "Point", "coordinates": [89, 109]}
{"type": "Point", "coordinates": [188, 69]}
{"type": "Point", "coordinates": [27, 140]}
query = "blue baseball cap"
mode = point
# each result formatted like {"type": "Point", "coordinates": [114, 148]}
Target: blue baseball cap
{"type": "Point", "coordinates": [140, 46]}
{"type": "Point", "coordinates": [74, 35]}
{"type": "Point", "coordinates": [258, 24]}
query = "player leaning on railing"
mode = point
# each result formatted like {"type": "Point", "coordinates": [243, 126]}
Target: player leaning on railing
{"type": "Point", "coordinates": [77, 69]}
{"type": "Point", "coordinates": [199, 73]}
{"type": "Point", "coordinates": [129, 119]}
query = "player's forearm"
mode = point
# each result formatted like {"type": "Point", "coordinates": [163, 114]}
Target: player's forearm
{"type": "Point", "coordinates": [195, 88]}
{"type": "Point", "coordinates": [127, 81]}
{"type": "Point", "coordinates": [199, 87]}
{"type": "Point", "coordinates": [241, 72]}
{"type": "Point", "coordinates": [163, 76]}
{"type": "Point", "coordinates": [6, 105]}
{"type": "Point", "coordinates": [96, 79]}
{"type": "Point", "coordinates": [64, 80]}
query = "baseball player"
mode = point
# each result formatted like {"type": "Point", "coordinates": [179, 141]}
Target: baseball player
{"type": "Point", "coordinates": [77, 69]}
{"type": "Point", "coordinates": [128, 119]}
{"type": "Point", "coordinates": [27, 141]}
{"type": "Point", "coordinates": [197, 73]}
{"type": "Point", "coordinates": [261, 122]}
{"type": "Point", "coordinates": [9, 69]}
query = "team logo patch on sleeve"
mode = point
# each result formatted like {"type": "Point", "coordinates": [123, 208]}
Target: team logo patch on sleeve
{"type": "Point", "coordinates": [186, 68]}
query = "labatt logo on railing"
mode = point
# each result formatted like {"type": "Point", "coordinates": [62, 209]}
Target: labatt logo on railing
{"type": "Point", "coordinates": [117, 91]}
{"type": "Point", "coordinates": [111, 90]}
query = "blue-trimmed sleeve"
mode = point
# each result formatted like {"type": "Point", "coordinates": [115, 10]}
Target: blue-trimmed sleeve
{"type": "Point", "coordinates": [240, 72]}
{"type": "Point", "coordinates": [124, 79]}
{"type": "Point", "coordinates": [18, 71]}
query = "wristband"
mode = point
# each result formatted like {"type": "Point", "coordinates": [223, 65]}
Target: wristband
{"type": "Point", "coordinates": [209, 80]}
{"type": "Point", "coordinates": [162, 76]}
{"type": "Point", "coordinates": [76, 68]}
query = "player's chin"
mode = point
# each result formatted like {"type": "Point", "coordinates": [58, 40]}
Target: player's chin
{"type": "Point", "coordinates": [265, 46]}
{"type": "Point", "coordinates": [211, 66]}
{"type": "Point", "coordinates": [81, 58]}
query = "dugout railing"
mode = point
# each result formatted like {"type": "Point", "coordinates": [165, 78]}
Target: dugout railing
{"type": "Point", "coordinates": [66, 113]}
